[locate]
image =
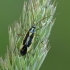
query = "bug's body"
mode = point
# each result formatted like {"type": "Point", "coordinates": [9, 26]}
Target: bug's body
{"type": "Point", "coordinates": [29, 37]}
{"type": "Point", "coordinates": [28, 40]}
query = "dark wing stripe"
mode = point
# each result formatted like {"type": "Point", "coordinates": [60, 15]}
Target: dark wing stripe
{"type": "Point", "coordinates": [23, 51]}
{"type": "Point", "coordinates": [26, 38]}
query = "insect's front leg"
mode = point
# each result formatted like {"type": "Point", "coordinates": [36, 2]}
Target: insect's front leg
{"type": "Point", "coordinates": [22, 34]}
{"type": "Point", "coordinates": [19, 34]}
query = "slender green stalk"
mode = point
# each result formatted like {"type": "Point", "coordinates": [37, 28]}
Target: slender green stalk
{"type": "Point", "coordinates": [40, 14]}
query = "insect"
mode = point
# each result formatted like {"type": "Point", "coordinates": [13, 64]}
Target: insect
{"type": "Point", "coordinates": [28, 40]}
{"type": "Point", "coordinates": [29, 37]}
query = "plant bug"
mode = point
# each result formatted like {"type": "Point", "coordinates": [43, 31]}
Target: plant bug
{"type": "Point", "coordinates": [27, 40]}
{"type": "Point", "coordinates": [29, 37]}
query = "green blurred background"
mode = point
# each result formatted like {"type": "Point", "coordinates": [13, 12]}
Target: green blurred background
{"type": "Point", "coordinates": [58, 57]}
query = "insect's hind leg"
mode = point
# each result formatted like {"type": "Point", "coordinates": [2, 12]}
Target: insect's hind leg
{"type": "Point", "coordinates": [24, 30]}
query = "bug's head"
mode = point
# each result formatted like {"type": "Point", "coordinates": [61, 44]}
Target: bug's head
{"type": "Point", "coordinates": [32, 29]}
